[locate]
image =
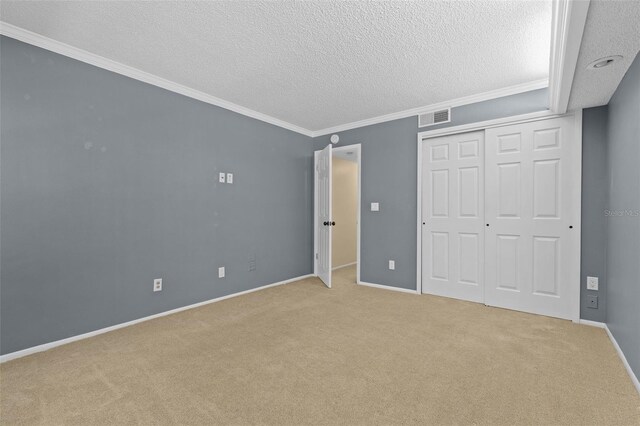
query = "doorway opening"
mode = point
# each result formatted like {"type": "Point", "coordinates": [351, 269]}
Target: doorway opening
{"type": "Point", "coordinates": [337, 214]}
{"type": "Point", "coordinates": [344, 206]}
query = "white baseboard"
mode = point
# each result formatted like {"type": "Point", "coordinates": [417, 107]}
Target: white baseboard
{"type": "Point", "coordinates": [632, 375]}
{"type": "Point", "coordinates": [344, 266]}
{"type": "Point", "coordinates": [388, 287]}
{"type": "Point", "coordinates": [51, 345]}
{"type": "Point", "coordinates": [590, 323]}
{"type": "Point", "coordinates": [634, 379]}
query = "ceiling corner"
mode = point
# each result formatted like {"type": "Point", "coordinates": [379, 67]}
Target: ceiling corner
{"type": "Point", "coordinates": [568, 21]}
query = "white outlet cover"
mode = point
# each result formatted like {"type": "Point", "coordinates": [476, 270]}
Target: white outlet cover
{"type": "Point", "coordinates": [222, 177]}
{"type": "Point", "coordinates": [229, 177]}
{"type": "Point", "coordinates": [157, 284]}
{"type": "Point", "coordinates": [221, 272]}
{"type": "Point", "coordinates": [592, 283]}
{"type": "Point", "coordinates": [392, 265]}
{"type": "Point", "coordinates": [375, 207]}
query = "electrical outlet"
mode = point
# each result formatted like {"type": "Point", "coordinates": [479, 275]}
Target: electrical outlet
{"type": "Point", "coordinates": [221, 272]}
{"type": "Point", "coordinates": [157, 284]}
{"type": "Point", "coordinates": [592, 301]}
{"type": "Point", "coordinates": [592, 283]}
{"type": "Point", "coordinates": [392, 265]}
{"type": "Point", "coordinates": [229, 177]}
{"type": "Point", "coordinates": [375, 207]}
{"type": "Point", "coordinates": [222, 177]}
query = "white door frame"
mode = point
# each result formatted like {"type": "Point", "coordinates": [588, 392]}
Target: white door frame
{"type": "Point", "coordinates": [577, 183]}
{"type": "Point", "coordinates": [357, 148]}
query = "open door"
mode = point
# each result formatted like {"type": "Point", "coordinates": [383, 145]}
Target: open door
{"type": "Point", "coordinates": [323, 215]}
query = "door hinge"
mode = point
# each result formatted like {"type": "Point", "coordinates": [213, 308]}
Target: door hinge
{"type": "Point", "coordinates": [316, 255]}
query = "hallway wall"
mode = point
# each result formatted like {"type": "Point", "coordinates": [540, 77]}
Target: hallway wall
{"type": "Point", "coordinates": [344, 212]}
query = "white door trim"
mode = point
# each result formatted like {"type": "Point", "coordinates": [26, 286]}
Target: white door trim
{"type": "Point", "coordinates": [487, 124]}
{"type": "Point", "coordinates": [315, 213]}
{"type": "Point", "coordinates": [577, 183]}
{"type": "Point", "coordinates": [577, 215]}
{"type": "Point", "coordinates": [358, 149]}
{"type": "Point", "coordinates": [419, 217]}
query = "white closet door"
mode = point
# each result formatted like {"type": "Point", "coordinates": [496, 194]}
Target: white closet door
{"type": "Point", "coordinates": [530, 212]}
{"type": "Point", "coordinates": [452, 209]}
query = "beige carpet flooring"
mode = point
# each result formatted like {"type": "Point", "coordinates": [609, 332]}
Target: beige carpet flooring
{"type": "Point", "coordinates": [303, 354]}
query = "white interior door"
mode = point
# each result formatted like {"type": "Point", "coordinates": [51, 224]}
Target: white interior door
{"type": "Point", "coordinates": [452, 216]}
{"type": "Point", "coordinates": [323, 215]}
{"type": "Point", "coordinates": [532, 217]}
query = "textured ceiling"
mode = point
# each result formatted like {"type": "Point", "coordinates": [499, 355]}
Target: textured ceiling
{"type": "Point", "coordinates": [314, 64]}
{"type": "Point", "coordinates": [612, 28]}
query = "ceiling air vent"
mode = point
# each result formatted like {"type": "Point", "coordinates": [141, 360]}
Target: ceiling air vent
{"type": "Point", "coordinates": [434, 117]}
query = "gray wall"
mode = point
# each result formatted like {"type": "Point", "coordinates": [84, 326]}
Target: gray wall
{"type": "Point", "coordinates": [623, 239]}
{"type": "Point", "coordinates": [389, 171]}
{"type": "Point", "coordinates": [594, 202]}
{"type": "Point", "coordinates": [108, 183]}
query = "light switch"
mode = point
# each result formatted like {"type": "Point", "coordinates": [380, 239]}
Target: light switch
{"type": "Point", "coordinates": [592, 283]}
{"type": "Point", "coordinates": [392, 265]}
{"type": "Point", "coordinates": [229, 177]}
{"type": "Point", "coordinates": [375, 207]}
{"type": "Point", "coordinates": [222, 177]}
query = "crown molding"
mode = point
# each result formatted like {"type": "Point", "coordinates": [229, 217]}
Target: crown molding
{"type": "Point", "coordinates": [47, 43]}
{"type": "Point", "coordinates": [567, 26]}
{"type": "Point", "coordinates": [466, 100]}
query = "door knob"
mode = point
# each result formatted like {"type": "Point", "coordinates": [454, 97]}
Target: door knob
{"type": "Point", "coordinates": [326, 223]}
{"type": "Point", "coordinates": [333, 224]}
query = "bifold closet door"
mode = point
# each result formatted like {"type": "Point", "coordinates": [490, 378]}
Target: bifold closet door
{"type": "Point", "coordinates": [452, 210]}
{"type": "Point", "coordinates": [531, 240]}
